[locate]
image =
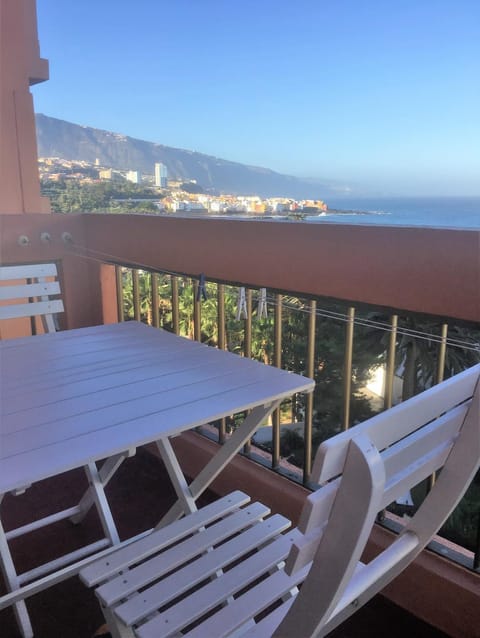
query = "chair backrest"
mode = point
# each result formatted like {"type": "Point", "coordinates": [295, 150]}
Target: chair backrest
{"type": "Point", "coordinates": [363, 470]}
{"type": "Point", "coordinates": [29, 288]}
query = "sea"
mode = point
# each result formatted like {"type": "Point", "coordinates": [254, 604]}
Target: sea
{"type": "Point", "coordinates": [437, 212]}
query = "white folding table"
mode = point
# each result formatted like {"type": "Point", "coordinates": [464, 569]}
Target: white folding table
{"type": "Point", "coordinates": [73, 398]}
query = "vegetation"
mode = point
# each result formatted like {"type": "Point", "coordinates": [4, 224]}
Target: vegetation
{"type": "Point", "coordinates": [192, 187]}
{"type": "Point", "coordinates": [69, 196]}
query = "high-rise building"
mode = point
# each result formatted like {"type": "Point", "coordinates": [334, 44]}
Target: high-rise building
{"type": "Point", "coordinates": [160, 175]}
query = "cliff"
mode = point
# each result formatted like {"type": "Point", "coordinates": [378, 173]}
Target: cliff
{"type": "Point", "coordinates": [58, 138]}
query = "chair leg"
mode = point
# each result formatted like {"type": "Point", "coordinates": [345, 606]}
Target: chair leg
{"type": "Point", "coordinates": [116, 629]}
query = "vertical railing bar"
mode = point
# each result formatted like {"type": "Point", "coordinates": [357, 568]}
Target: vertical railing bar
{"type": "Point", "coordinates": [347, 367]}
{"type": "Point", "coordinates": [221, 341]}
{"type": "Point", "coordinates": [390, 366]}
{"type": "Point", "coordinates": [308, 428]}
{"type": "Point", "coordinates": [119, 286]}
{"type": "Point", "coordinates": [476, 557]}
{"type": "Point", "coordinates": [155, 300]}
{"type": "Point", "coordinates": [278, 363]}
{"type": "Point", "coordinates": [247, 341]}
{"type": "Point", "coordinates": [197, 312]}
{"type": "Point", "coordinates": [175, 305]}
{"type": "Point", "coordinates": [136, 294]}
{"type": "Point", "coordinates": [33, 321]}
{"type": "Point", "coordinates": [247, 345]}
{"type": "Point", "coordinates": [222, 432]}
{"type": "Point", "coordinates": [442, 351]}
{"type": "Point", "coordinates": [389, 376]}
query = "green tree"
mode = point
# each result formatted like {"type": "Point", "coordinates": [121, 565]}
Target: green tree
{"type": "Point", "coordinates": [71, 196]}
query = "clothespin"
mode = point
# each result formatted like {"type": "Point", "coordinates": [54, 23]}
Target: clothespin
{"type": "Point", "coordinates": [262, 311]}
{"type": "Point", "coordinates": [241, 305]}
{"type": "Point", "coordinates": [201, 290]}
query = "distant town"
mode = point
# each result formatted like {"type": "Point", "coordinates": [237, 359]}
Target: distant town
{"type": "Point", "coordinates": [167, 195]}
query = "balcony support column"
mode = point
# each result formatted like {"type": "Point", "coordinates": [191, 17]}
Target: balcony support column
{"type": "Point", "coordinates": [20, 67]}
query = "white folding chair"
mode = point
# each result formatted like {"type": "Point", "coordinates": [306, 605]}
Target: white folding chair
{"type": "Point", "coordinates": [29, 293]}
{"type": "Point", "coordinates": [230, 569]}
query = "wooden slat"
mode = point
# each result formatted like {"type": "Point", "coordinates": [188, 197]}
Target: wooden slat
{"type": "Point", "coordinates": [25, 344]}
{"type": "Point", "coordinates": [266, 626]}
{"type": "Point", "coordinates": [396, 423]}
{"type": "Point", "coordinates": [139, 607]}
{"type": "Point", "coordinates": [132, 408]}
{"type": "Point", "coordinates": [33, 309]}
{"type": "Point", "coordinates": [141, 575]}
{"type": "Point", "coordinates": [27, 272]}
{"type": "Point", "coordinates": [214, 593]}
{"type": "Point", "coordinates": [29, 290]}
{"type": "Point", "coordinates": [37, 408]}
{"type": "Point", "coordinates": [407, 463]}
{"type": "Point", "coordinates": [159, 539]}
{"type": "Point", "coordinates": [77, 448]}
{"type": "Point", "coordinates": [442, 430]}
{"type": "Point", "coordinates": [249, 604]}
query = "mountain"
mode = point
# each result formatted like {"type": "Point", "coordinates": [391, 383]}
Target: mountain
{"type": "Point", "coordinates": [58, 138]}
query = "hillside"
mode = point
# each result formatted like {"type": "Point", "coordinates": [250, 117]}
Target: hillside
{"type": "Point", "coordinates": [58, 138]}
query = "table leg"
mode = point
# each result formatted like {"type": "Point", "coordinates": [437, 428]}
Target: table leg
{"type": "Point", "coordinates": [106, 472]}
{"type": "Point", "coordinates": [176, 475]}
{"type": "Point", "coordinates": [12, 582]}
{"type": "Point", "coordinates": [226, 452]}
{"type": "Point", "coordinates": [100, 499]}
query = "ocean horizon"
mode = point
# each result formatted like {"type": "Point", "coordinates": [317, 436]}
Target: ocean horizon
{"type": "Point", "coordinates": [437, 212]}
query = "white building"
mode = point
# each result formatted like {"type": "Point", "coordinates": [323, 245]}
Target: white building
{"type": "Point", "coordinates": [134, 176]}
{"type": "Point", "coordinates": [160, 175]}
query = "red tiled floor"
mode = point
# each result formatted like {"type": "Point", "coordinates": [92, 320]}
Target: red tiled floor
{"type": "Point", "coordinates": [138, 494]}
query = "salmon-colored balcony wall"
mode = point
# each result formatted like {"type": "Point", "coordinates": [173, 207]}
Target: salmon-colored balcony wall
{"type": "Point", "coordinates": [426, 270]}
{"type": "Point", "coordinates": [418, 270]}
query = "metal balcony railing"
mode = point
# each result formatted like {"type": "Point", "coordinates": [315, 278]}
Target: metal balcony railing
{"type": "Point", "coordinates": [340, 346]}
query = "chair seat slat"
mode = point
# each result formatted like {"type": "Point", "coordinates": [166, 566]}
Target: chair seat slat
{"type": "Point", "coordinates": [204, 566]}
{"type": "Point", "coordinates": [103, 569]}
{"type": "Point", "coordinates": [219, 590]}
{"type": "Point", "coordinates": [190, 549]}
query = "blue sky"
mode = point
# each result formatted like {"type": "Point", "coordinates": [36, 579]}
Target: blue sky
{"type": "Point", "coordinates": [383, 95]}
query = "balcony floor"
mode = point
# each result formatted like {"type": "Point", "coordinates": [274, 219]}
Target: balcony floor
{"type": "Point", "coordinates": [70, 610]}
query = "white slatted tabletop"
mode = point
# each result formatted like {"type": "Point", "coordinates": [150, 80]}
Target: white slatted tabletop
{"type": "Point", "coordinates": [78, 396]}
